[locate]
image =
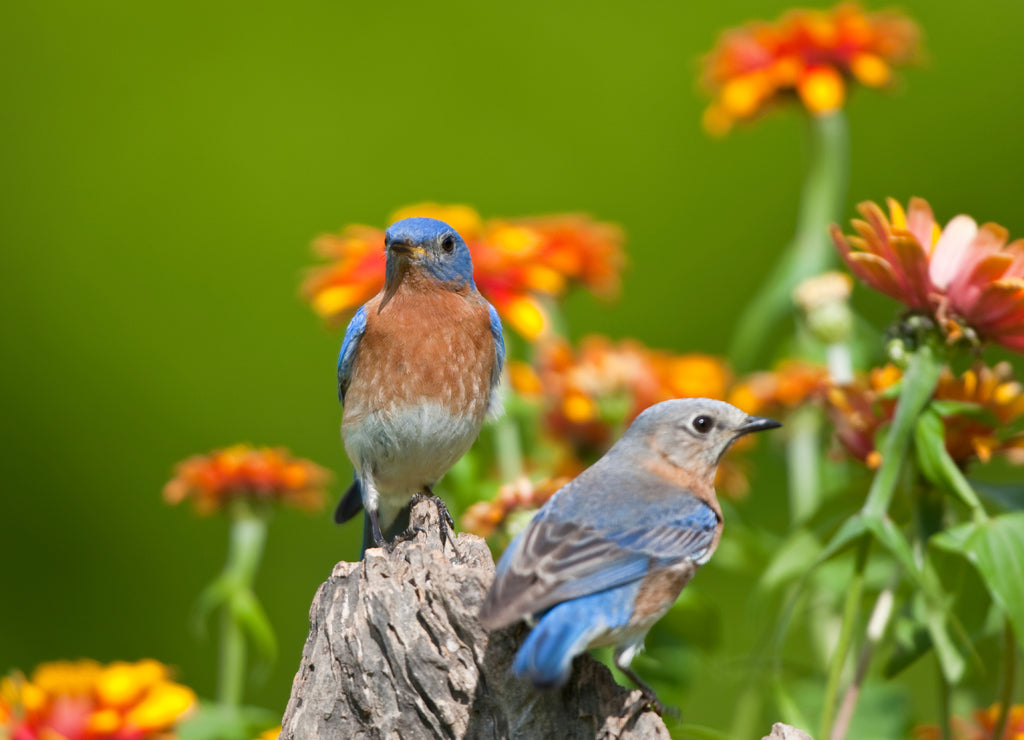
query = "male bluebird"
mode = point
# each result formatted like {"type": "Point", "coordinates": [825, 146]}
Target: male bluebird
{"type": "Point", "coordinates": [417, 374]}
{"type": "Point", "coordinates": [609, 553]}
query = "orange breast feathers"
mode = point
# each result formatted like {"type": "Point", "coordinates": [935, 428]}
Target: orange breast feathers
{"type": "Point", "coordinates": [424, 346]}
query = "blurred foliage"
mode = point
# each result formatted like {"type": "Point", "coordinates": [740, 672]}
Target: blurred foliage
{"type": "Point", "coordinates": [167, 166]}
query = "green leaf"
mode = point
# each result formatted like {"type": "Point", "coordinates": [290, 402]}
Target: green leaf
{"type": "Point", "coordinates": [214, 722]}
{"type": "Point", "coordinates": [911, 641]}
{"type": "Point", "coordinates": [937, 603]}
{"type": "Point", "coordinates": [1009, 496]}
{"type": "Point", "coordinates": [936, 464]}
{"type": "Point", "coordinates": [247, 611]}
{"type": "Point", "coordinates": [789, 561]}
{"type": "Point", "coordinates": [919, 381]}
{"type": "Point", "coordinates": [849, 531]}
{"type": "Point", "coordinates": [996, 549]}
{"type": "Point", "coordinates": [947, 407]}
{"type": "Point", "coordinates": [216, 594]}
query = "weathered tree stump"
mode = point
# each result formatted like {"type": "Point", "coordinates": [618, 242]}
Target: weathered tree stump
{"type": "Point", "coordinates": [395, 651]}
{"type": "Point", "coordinates": [786, 732]}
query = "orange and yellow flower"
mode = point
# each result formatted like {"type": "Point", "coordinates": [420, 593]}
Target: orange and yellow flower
{"type": "Point", "coordinates": [593, 393]}
{"type": "Point", "coordinates": [811, 55]}
{"type": "Point", "coordinates": [967, 276]}
{"type": "Point", "coordinates": [982, 726]}
{"type": "Point", "coordinates": [518, 264]}
{"type": "Point", "coordinates": [860, 409]}
{"type": "Point", "coordinates": [776, 392]}
{"type": "Point", "coordinates": [485, 517]}
{"type": "Point", "coordinates": [84, 700]}
{"type": "Point", "coordinates": [269, 475]}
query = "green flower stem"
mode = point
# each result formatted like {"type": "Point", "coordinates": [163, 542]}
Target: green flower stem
{"type": "Point", "coordinates": [946, 707]}
{"type": "Point", "coordinates": [508, 447]}
{"type": "Point", "coordinates": [1009, 679]}
{"type": "Point", "coordinates": [810, 252]}
{"type": "Point", "coordinates": [245, 548]}
{"type": "Point", "coordinates": [853, 595]}
{"type": "Point", "coordinates": [803, 453]}
{"type": "Point", "coordinates": [918, 385]}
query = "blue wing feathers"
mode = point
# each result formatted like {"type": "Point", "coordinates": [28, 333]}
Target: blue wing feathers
{"type": "Point", "coordinates": [499, 346]}
{"type": "Point", "coordinates": [349, 347]}
{"type": "Point", "coordinates": [566, 630]}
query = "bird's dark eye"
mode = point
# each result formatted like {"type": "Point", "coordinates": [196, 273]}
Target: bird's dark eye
{"type": "Point", "coordinates": [448, 243]}
{"type": "Point", "coordinates": [703, 424]}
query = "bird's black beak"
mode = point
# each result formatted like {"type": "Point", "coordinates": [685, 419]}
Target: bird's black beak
{"type": "Point", "coordinates": [757, 424]}
{"type": "Point", "coordinates": [399, 246]}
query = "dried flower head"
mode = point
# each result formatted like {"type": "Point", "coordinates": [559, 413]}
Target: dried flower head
{"type": "Point", "coordinates": [809, 55]}
{"type": "Point", "coordinates": [518, 264]}
{"type": "Point", "coordinates": [967, 276]}
{"type": "Point", "coordinates": [251, 474]}
{"type": "Point", "coordinates": [83, 700]}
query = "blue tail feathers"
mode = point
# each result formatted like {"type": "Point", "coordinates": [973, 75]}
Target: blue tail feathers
{"type": "Point", "coordinates": [546, 655]}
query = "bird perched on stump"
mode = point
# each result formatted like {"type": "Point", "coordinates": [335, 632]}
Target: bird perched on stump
{"type": "Point", "coordinates": [609, 553]}
{"type": "Point", "coordinates": [417, 374]}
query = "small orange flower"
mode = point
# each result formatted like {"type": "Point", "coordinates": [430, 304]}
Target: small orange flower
{"type": "Point", "coordinates": [84, 700]}
{"type": "Point", "coordinates": [518, 264]}
{"type": "Point", "coordinates": [590, 396]}
{"type": "Point", "coordinates": [981, 726]}
{"type": "Point", "coordinates": [771, 393]}
{"type": "Point", "coordinates": [485, 517]}
{"type": "Point", "coordinates": [811, 55]}
{"type": "Point", "coordinates": [860, 409]}
{"type": "Point", "coordinates": [593, 394]}
{"type": "Point", "coordinates": [247, 473]}
{"type": "Point", "coordinates": [968, 277]}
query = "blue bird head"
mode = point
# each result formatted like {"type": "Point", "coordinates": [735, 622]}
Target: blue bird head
{"type": "Point", "coordinates": [430, 247]}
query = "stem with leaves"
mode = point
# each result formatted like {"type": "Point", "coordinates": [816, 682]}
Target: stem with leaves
{"type": "Point", "coordinates": [245, 549]}
{"type": "Point", "coordinates": [810, 252]}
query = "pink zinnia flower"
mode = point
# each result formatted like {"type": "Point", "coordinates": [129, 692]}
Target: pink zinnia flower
{"type": "Point", "coordinates": [966, 275]}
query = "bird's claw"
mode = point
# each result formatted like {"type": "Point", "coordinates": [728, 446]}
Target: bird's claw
{"type": "Point", "coordinates": [447, 523]}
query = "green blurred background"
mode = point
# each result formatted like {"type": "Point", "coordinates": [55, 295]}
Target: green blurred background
{"type": "Point", "coordinates": [166, 165]}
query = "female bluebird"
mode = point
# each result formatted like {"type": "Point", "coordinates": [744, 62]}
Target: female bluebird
{"type": "Point", "coordinates": [417, 374]}
{"type": "Point", "coordinates": [609, 553]}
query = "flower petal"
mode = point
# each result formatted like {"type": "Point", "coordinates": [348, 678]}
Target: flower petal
{"type": "Point", "coordinates": [921, 222]}
{"type": "Point", "coordinates": [876, 272]}
{"type": "Point", "coordinates": [951, 249]}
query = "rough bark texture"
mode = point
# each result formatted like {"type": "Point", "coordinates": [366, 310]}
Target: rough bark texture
{"type": "Point", "coordinates": [395, 651]}
{"type": "Point", "coordinates": [786, 732]}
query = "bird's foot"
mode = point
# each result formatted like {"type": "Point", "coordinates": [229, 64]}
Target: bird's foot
{"type": "Point", "coordinates": [447, 523]}
{"type": "Point", "coordinates": [649, 698]}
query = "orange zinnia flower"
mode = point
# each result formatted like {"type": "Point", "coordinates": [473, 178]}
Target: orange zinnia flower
{"type": "Point", "coordinates": [247, 473]}
{"type": "Point", "coordinates": [84, 700]}
{"type": "Point", "coordinates": [517, 263]}
{"type": "Point", "coordinates": [770, 393]}
{"type": "Point", "coordinates": [809, 54]}
{"type": "Point", "coordinates": [592, 394]}
{"type": "Point", "coordinates": [860, 409]}
{"type": "Point", "coordinates": [982, 726]}
{"type": "Point", "coordinates": [968, 277]}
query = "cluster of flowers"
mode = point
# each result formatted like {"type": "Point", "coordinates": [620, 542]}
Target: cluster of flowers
{"type": "Point", "coordinates": [860, 409]}
{"type": "Point", "coordinates": [588, 396]}
{"type": "Point", "coordinates": [244, 473]}
{"type": "Point", "coordinates": [83, 700]}
{"type": "Point", "coordinates": [967, 277]}
{"type": "Point", "coordinates": [809, 54]}
{"type": "Point", "coordinates": [981, 726]}
{"type": "Point", "coordinates": [519, 264]}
